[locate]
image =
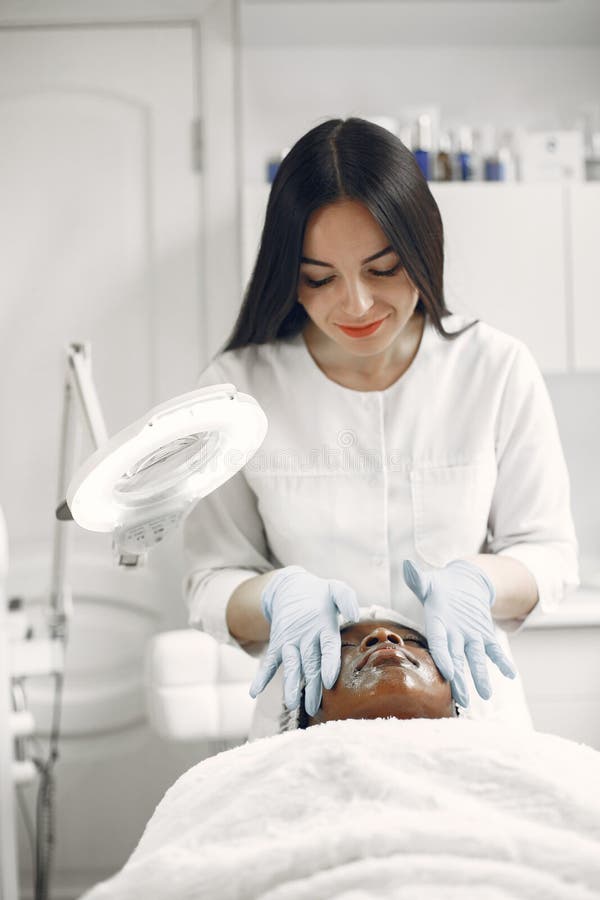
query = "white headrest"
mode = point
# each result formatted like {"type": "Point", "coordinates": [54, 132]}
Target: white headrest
{"type": "Point", "coordinates": [196, 688]}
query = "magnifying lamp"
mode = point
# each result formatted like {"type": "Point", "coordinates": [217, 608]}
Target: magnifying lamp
{"type": "Point", "coordinates": [140, 484]}
{"type": "Point", "coordinates": [144, 481]}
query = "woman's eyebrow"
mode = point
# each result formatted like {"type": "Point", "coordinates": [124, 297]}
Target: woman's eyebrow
{"type": "Point", "coordinates": [318, 262]}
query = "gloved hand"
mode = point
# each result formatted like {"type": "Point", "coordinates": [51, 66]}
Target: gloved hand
{"type": "Point", "coordinates": [457, 600]}
{"type": "Point", "coordinates": [305, 635]}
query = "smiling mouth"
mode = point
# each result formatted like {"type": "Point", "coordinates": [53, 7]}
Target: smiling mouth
{"type": "Point", "coordinates": [361, 330]}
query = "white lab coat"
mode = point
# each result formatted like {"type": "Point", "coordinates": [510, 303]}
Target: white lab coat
{"type": "Point", "coordinates": [460, 456]}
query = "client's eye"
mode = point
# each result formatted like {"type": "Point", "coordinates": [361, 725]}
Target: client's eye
{"type": "Point", "coordinates": [415, 640]}
{"type": "Point", "coordinates": [349, 645]}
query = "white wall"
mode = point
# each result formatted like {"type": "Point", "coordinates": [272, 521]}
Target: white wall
{"type": "Point", "coordinates": [576, 400]}
{"type": "Point", "coordinates": [286, 90]}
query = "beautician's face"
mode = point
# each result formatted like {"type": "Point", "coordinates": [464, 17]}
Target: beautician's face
{"type": "Point", "coordinates": [351, 280]}
{"type": "Point", "coordinates": [386, 670]}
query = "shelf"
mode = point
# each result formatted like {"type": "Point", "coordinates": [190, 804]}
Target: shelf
{"type": "Point", "coordinates": [580, 610]}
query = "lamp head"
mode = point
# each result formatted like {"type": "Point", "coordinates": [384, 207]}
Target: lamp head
{"type": "Point", "coordinates": [146, 479]}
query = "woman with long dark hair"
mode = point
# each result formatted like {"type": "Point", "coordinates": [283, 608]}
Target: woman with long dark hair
{"type": "Point", "coordinates": [397, 430]}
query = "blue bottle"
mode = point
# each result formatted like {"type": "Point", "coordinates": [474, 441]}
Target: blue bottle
{"type": "Point", "coordinates": [464, 155]}
{"type": "Point", "coordinates": [423, 145]}
{"type": "Point", "coordinates": [422, 158]}
{"type": "Point", "coordinates": [493, 169]}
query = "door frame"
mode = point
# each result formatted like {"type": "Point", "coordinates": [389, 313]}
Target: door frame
{"type": "Point", "coordinates": [215, 25]}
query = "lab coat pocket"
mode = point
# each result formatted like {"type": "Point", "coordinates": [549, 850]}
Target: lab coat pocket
{"type": "Point", "coordinates": [451, 506]}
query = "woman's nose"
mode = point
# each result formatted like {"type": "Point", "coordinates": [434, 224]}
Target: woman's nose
{"type": "Point", "coordinates": [380, 635]}
{"type": "Point", "coordinates": [358, 300]}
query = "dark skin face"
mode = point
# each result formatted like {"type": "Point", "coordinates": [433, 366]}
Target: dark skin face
{"type": "Point", "coordinates": [386, 670]}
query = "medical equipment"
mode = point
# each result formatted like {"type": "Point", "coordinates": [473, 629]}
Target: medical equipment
{"type": "Point", "coordinates": [138, 486]}
{"type": "Point", "coordinates": [8, 844]}
{"type": "Point", "coordinates": [196, 688]}
{"type": "Point", "coordinates": [141, 484]}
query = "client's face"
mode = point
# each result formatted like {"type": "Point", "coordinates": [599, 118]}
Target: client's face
{"type": "Point", "coordinates": [386, 670]}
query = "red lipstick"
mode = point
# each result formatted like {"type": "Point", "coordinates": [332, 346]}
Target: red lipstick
{"type": "Point", "coordinates": [361, 331]}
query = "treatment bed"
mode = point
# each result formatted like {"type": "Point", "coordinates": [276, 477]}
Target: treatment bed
{"type": "Point", "coordinates": [427, 809]}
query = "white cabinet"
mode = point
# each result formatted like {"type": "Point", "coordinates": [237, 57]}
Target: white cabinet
{"type": "Point", "coordinates": [523, 257]}
{"type": "Point", "coordinates": [563, 699]}
{"type": "Point", "coordinates": [505, 261]}
{"type": "Point", "coordinates": [584, 240]}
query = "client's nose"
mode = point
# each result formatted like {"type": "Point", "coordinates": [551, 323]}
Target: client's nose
{"type": "Point", "coordinates": [380, 635]}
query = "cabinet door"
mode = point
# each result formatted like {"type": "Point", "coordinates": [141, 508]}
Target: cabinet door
{"type": "Point", "coordinates": [585, 255]}
{"type": "Point", "coordinates": [100, 233]}
{"type": "Point", "coordinates": [505, 261]}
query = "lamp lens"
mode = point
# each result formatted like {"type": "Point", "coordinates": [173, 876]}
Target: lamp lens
{"type": "Point", "coordinates": [166, 469]}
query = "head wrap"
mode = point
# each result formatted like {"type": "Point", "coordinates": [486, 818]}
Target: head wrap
{"type": "Point", "coordinates": [384, 614]}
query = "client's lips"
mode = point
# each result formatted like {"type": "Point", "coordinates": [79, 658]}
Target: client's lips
{"type": "Point", "coordinates": [381, 653]}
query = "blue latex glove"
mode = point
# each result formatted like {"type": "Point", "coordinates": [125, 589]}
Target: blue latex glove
{"type": "Point", "coordinates": [305, 635]}
{"type": "Point", "coordinates": [457, 601]}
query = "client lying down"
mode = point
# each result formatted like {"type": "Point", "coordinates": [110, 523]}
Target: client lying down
{"type": "Point", "coordinates": [417, 803]}
{"type": "Point", "coordinates": [386, 670]}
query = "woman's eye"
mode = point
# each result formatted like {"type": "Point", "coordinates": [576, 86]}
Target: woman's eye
{"type": "Point", "coordinates": [317, 284]}
{"type": "Point", "coordinates": [412, 640]}
{"type": "Point", "coordinates": [386, 273]}
{"type": "Point", "coordinates": [349, 645]}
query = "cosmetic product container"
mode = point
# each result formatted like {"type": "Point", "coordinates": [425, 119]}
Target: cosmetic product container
{"type": "Point", "coordinates": [552, 156]}
{"type": "Point", "coordinates": [443, 160]}
{"type": "Point", "coordinates": [464, 155]}
{"type": "Point", "coordinates": [493, 169]}
{"type": "Point", "coordinates": [592, 159]}
{"type": "Point", "coordinates": [423, 145]}
{"type": "Point", "coordinates": [588, 123]}
{"type": "Point", "coordinates": [507, 156]}
{"type": "Point", "coordinates": [273, 164]}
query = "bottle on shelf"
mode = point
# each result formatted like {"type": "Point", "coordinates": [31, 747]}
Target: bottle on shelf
{"type": "Point", "coordinates": [463, 158]}
{"type": "Point", "coordinates": [443, 159]}
{"type": "Point", "coordinates": [273, 164]}
{"type": "Point", "coordinates": [507, 156]}
{"type": "Point", "coordinates": [423, 145]}
{"type": "Point", "coordinates": [592, 158]}
{"type": "Point", "coordinates": [499, 161]}
{"type": "Point", "coordinates": [588, 122]}
{"type": "Point", "coordinates": [493, 167]}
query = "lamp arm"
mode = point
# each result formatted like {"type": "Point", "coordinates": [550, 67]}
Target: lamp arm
{"type": "Point", "coordinates": [78, 383]}
{"type": "Point", "coordinates": [79, 359]}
